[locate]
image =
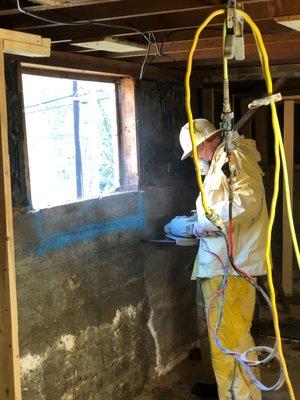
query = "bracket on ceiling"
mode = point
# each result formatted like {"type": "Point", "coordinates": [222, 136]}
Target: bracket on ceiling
{"type": "Point", "coordinates": [234, 46]}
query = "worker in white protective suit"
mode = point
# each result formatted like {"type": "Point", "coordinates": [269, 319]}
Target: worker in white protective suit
{"type": "Point", "coordinates": [250, 219]}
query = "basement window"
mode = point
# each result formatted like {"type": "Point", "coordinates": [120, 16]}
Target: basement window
{"type": "Point", "coordinates": [72, 139]}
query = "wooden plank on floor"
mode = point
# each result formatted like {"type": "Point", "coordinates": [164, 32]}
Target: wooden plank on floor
{"type": "Point", "coordinates": [10, 383]}
{"type": "Point", "coordinates": [287, 244]}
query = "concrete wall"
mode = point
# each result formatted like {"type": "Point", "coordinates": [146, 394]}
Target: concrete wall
{"type": "Point", "coordinates": [101, 312]}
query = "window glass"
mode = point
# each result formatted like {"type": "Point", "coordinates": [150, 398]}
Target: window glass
{"type": "Point", "coordinates": [72, 139]}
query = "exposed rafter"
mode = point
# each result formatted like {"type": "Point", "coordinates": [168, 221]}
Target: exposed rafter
{"type": "Point", "coordinates": [138, 13]}
{"type": "Point", "coordinates": [173, 23]}
{"type": "Point", "coordinates": [44, 6]}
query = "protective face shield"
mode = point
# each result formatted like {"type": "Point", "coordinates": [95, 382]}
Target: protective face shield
{"type": "Point", "coordinates": [203, 131]}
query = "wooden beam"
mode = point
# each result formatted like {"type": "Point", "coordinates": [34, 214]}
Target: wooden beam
{"type": "Point", "coordinates": [206, 45]}
{"type": "Point", "coordinates": [44, 7]}
{"type": "Point", "coordinates": [287, 244]}
{"type": "Point", "coordinates": [250, 113]}
{"type": "Point", "coordinates": [49, 2]}
{"type": "Point", "coordinates": [244, 73]}
{"type": "Point", "coordinates": [187, 13]}
{"type": "Point", "coordinates": [10, 381]}
{"type": "Point", "coordinates": [27, 49]}
{"type": "Point", "coordinates": [278, 46]}
{"type": "Point", "coordinates": [24, 43]}
{"type": "Point", "coordinates": [286, 7]}
{"type": "Point", "coordinates": [87, 63]}
{"type": "Point", "coordinates": [128, 153]}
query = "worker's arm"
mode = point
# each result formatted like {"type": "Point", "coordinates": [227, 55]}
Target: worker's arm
{"type": "Point", "coordinates": [247, 202]}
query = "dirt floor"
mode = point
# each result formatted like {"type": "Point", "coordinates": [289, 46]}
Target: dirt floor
{"type": "Point", "coordinates": [177, 384]}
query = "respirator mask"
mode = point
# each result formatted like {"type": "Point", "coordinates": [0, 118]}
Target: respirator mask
{"type": "Point", "coordinates": [204, 166]}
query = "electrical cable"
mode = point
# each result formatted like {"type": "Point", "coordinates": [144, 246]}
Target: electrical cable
{"type": "Point", "coordinates": [145, 59]}
{"type": "Point", "coordinates": [242, 358]}
{"type": "Point", "coordinates": [70, 23]}
{"type": "Point", "coordinates": [150, 39]}
{"type": "Point", "coordinates": [279, 152]}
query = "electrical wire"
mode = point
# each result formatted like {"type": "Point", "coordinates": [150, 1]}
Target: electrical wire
{"type": "Point", "coordinates": [279, 150]}
{"type": "Point", "coordinates": [150, 39]}
{"type": "Point", "coordinates": [70, 23]}
{"type": "Point", "coordinates": [145, 59]}
{"type": "Point", "coordinates": [242, 358]}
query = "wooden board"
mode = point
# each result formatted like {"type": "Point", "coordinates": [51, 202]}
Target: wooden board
{"type": "Point", "coordinates": [287, 245]}
{"type": "Point", "coordinates": [10, 384]}
{"type": "Point", "coordinates": [10, 380]}
{"type": "Point", "coordinates": [66, 2]}
{"type": "Point", "coordinates": [27, 49]}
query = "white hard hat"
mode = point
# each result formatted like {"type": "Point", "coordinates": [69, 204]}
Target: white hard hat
{"type": "Point", "coordinates": [203, 130]}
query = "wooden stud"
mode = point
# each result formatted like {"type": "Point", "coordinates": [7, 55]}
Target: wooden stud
{"type": "Point", "coordinates": [129, 160]}
{"type": "Point", "coordinates": [10, 384]}
{"type": "Point", "coordinates": [243, 73]}
{"type": "Point", "coordinates": [287, 244]}
{"type": "Point", "coordinates": [49, 2]}
{"type": "Point", "coordinates": [10, 379]}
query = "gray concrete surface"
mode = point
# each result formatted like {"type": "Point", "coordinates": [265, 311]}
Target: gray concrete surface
{"type": "Point", "coordinates": [101, 312]}
{"type": "Point", "coordinates": [177, 384]}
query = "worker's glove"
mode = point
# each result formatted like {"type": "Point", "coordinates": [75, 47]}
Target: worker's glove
{"type": "Point", "coordinates": [181, 226]}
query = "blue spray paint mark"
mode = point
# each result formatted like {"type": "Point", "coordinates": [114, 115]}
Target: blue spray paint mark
{"type": "Point", "coordinates": [50, 243]}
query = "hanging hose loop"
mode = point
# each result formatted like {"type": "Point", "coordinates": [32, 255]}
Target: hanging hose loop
{"type": "Point", "coordinates": [279, 152]}
{"type": "Point", "coordinates": [189, 112]}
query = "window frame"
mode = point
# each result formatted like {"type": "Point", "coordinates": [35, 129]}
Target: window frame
{"type": "Point", "coordinates": [124, 117]}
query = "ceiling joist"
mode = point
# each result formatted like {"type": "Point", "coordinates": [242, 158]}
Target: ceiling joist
{"type": "Point", "coordinates": [172, 22]}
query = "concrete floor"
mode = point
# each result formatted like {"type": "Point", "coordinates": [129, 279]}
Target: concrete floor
{"type": "Point", "coordinates": [176, 385]}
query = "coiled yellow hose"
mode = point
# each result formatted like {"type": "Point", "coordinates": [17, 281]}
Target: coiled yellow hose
{"type": "Point", "coordinates": [279, 152]}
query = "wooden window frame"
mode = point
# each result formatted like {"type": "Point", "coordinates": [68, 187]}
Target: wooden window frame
{"type": "Point", "coordinates": [126, 120]}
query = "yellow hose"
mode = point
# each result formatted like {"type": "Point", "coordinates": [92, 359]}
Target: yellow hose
{"type": "Point", "coordinates": [188, 106]}
{"type": "Point", "coordinates": [284, 166]}
{"type": "Point", "coordinates": [278, 147]}
{"type": "Point", "coordinates": [279, 151]}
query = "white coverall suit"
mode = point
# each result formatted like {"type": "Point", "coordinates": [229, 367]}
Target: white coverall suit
{"type": "Point", "coordinates": [250, 219]}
